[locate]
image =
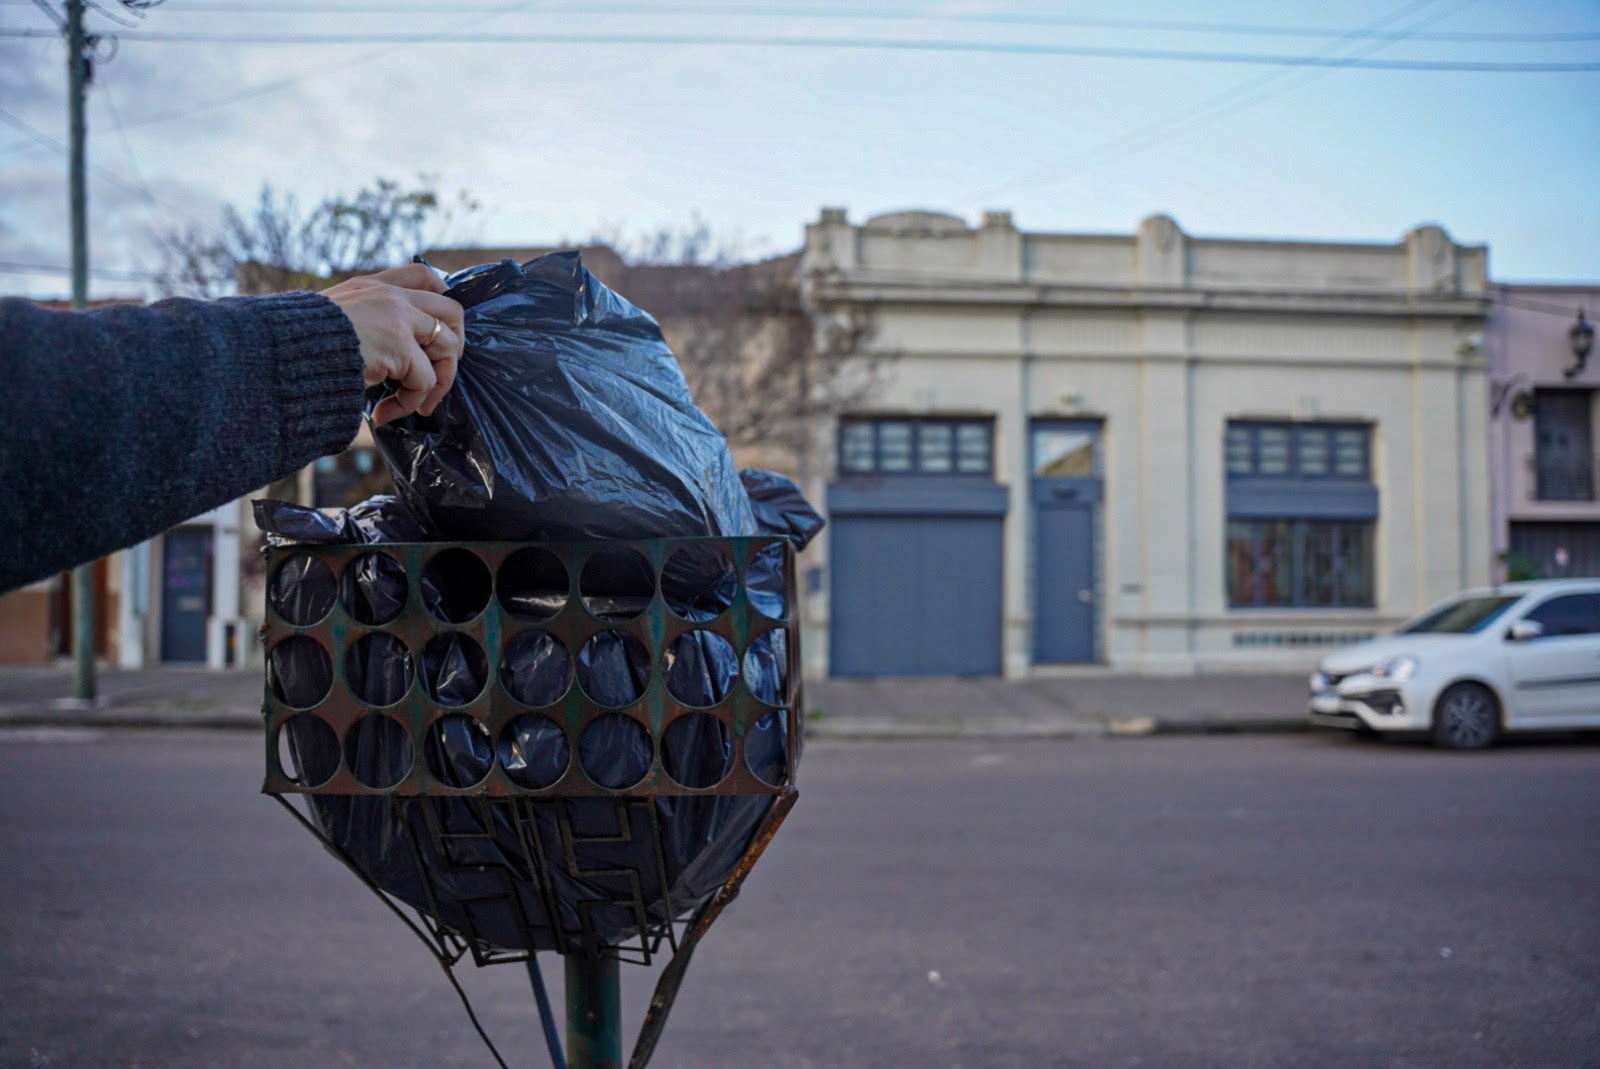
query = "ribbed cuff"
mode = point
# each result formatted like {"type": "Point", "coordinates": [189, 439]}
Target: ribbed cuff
{"type": "Point", "coordinates": [319, 373]}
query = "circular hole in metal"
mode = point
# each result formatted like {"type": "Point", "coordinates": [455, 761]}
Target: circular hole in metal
{"type": "Point", "coordinates": [377, 751]}
{"type": "Point", "coordinates": [697, 750]}
{"type": "Point", "coordinates": [303, 590]}
{"type": "Point", "coordinates": [535, 668]}
{"type": "Point", "coordinates": [766, 748]}
{"type": "Point", "coordinates": [454, 668]}
{"type": "Point", "coordinates": [308, 750]}
{"type": "Point", "coordinates": [533, 585]}
{"type": "Point", "coordinates": [615, 751]}
{"type": "Point", "coordinates": [378, 669]}
{"type": "Point", "coordinates": [299, 671]}
{"type": "Point", "coordinates": [700, 667]}
{"type": "Point", "coordinates": [456, 586]}
{"type": "Point", "coordinates": [764, 580]}
{"type": "Point", "coordinates": [617, 584]}
{"type": "Point", "coordinates": [699, 582]}
{"type": "Point", "coordinates": [374, 588]}
{"type": "Point", "coordinates": [534, 751]}
{"type": "Point", "coordinates": [459, 752]}
{"type": "Point", "coordinates": [614, 669]}
{"type": "Point", "coordinates": [766, 667]}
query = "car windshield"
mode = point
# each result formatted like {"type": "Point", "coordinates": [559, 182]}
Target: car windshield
{"type": "Point", "coordinates": [1465, 616]}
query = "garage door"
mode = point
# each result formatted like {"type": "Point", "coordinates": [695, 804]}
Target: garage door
{"type": "Point", "coordinates": [916, 580]}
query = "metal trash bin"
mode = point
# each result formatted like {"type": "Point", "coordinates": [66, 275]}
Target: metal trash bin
{"type": "Point", "coordinates": [544, 843]}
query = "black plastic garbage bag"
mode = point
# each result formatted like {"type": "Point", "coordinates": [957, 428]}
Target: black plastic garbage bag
{"type": "Point", "coordinates": [569, 420]}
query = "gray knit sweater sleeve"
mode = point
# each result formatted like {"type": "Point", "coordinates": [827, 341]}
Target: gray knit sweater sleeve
{"type": "Point", "coordinates": [118, 423]}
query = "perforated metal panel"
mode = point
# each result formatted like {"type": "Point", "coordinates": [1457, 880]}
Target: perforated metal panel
{"type": "Point", "coordinates": [764, 640]}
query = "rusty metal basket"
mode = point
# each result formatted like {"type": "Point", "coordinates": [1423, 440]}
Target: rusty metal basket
{"type": "Point", "coordinates": [549, 846]}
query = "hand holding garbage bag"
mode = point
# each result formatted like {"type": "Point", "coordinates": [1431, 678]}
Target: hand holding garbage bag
{"type": "Point", "coordinates": [126, 420]}
{"type": "Point", "coordinates": [410, 335]}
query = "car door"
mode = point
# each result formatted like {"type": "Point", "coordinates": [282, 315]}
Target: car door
{"type": "Point", "coordinates": [1557, 673]}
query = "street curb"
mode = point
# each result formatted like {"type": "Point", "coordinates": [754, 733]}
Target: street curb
{"type": "Point", "coordinates": [138, 721]}
{"type": "Point", "coordinates": [850, 729]}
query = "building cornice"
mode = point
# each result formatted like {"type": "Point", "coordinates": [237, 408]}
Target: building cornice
{"type": "Point", "coordinates": [862, 288]}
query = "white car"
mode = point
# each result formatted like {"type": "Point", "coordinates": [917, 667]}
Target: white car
{"type": "Point", "coordinates": [1520, 656]}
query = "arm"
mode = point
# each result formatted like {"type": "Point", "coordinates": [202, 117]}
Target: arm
{"type": "Point", "coordinates": [117, 424]}
{"type": "Point", "coordinates": [121, 422]}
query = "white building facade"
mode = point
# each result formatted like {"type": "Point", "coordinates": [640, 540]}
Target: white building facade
{"type": "Point", "coordinates": [1148, 451]}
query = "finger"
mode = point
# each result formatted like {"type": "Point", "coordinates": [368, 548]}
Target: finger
{"type": "Point", "coordinates": [411, 277]}
{"type": "Point", "coordinates": [416, 374]}
{"type": "Point", "coordinates": [386, 410]}
{"type": "Point", "coordinates": [442, 308]}
{"type": "Point", "coordinates": [444, 371]}
{"type": "Point", "coordinates": [403, 402]}
{"type": "Point", "coordinates": [390, 409]}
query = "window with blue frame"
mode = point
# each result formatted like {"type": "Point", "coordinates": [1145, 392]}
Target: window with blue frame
{"type": "Point", "coordinates": [915, 445]}
{"type": "Point", "coordinates": [1302, 514]}
{"type": "Point", "coordinates": [1299, 450]}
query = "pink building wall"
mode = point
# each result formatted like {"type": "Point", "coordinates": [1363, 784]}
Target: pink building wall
{"type": "Point", "coordinates": [1529, 350]}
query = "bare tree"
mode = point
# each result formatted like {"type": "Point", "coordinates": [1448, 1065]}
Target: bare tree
{"type": "Point", "coordinates": [278, 245]}
{"type": "Point", "coordinates": [766, 367]}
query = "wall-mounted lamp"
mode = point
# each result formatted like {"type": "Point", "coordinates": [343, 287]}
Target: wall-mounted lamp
{"type": "Point", "coordinates": [1582, 337]}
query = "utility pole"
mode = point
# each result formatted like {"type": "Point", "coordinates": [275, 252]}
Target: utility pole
{"type": "Point", "coordinates": [78, 73]}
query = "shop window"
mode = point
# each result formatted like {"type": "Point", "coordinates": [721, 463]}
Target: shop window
{"type": "Point", "coordinates": [1324, 564]}
{"type": "Point", "coordinates": [916, 446]}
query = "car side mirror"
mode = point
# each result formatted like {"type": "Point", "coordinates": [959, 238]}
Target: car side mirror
{"type": "Point", "coordinates": [1523, 630]}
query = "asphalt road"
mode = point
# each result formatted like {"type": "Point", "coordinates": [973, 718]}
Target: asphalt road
{"type": "Point", "coordinates": [1238, 901]}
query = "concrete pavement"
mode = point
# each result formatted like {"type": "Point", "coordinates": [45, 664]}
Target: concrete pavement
{"type": "Point", "coordinates": [1197, 902]}
{"type": "Point", "coordinates": [1087, 703]}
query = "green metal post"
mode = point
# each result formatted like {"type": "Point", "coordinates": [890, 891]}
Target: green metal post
{"type": "Point", "coordinates": [82, 576]}
{"type": "Point", "coordinates": [594, 1012]}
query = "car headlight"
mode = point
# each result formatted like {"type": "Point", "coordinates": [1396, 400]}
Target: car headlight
{"type": "Point", "coordinates": [1319, 681]}
{"type": "Point", "coordinates": [1398, 669]}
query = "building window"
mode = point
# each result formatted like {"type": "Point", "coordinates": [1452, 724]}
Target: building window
{"type": "Point", "coordinates": [916, 446]}
{"type": "Point", "coordinates": [1298, 450]}
{"type": "Point", "coordinates": [1302, 511]}
{"type": "Point", "coordinates": [1324, 564]}
{"type": "Point", "coordinates": [1066, 451]}
{"type": "Point", "coordinates": [1563, 435]}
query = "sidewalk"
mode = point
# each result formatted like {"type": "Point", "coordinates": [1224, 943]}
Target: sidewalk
{"type": "Point", "coordinates": [1081, 704]}
{"type": "Point", "coordinates": [1091, 704]}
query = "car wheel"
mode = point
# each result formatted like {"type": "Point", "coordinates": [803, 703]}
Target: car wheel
{"type": "Point", "coordinates": [1466, 717]}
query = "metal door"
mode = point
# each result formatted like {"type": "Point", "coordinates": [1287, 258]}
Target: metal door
{"type": "Point", "coordinates": [185, 593]}
{"type": "Point", "coordinates": [1066, 495]}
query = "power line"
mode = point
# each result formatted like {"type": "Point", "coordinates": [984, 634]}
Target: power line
{"type": "Point", "coordinates": [49, 142]}
{"type": "Point", "coordinates": [14, 268]}
{"type": "Point", "coordinates": [785, 11]}
{"type": "Point", "coordinates": [858, 43]}
{"type": "Point", "coordinates": [52, 14]}
{"type": "Point", "coordinates": [1228, 102]}
{"type": "Point", "coordinates": [278, 85]}
{"type": "Point", "coordinates": [127, 146]}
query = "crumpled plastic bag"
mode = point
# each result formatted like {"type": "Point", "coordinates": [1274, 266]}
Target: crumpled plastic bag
{"type": "Point", "coordinates": [569, 419]}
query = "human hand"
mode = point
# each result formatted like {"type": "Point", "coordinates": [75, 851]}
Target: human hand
{"type": "Point", "coordinates": [409, 332]}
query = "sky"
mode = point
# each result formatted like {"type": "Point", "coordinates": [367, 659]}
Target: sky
{"type": "Point", "coordinates": [565, 119]}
